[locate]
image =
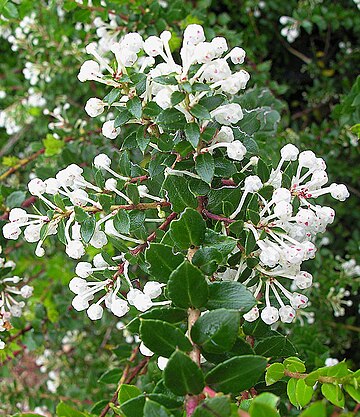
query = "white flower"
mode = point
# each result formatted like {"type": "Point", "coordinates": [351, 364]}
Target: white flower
{"type": "Point", "coordinates": [89, 70]}
{"type": "Point", "coordinates": [252, 315]}
{"type": "Point", "coordinates": [102, 161]}
{"type": "Point", "coordinates": [252, 184]}
{"type": "Point", "coordinates": [153, 46]}
{"type": "Point", "coordinates": [162, 362]}
{"type": "Point", "coordinates": [303, 280]}
{"type": "Point", "coordinates": [145, 350]}
{"type": "Point", "coordinates": [98, 239]}
{"type": "Point", "coordinates": [237, 55]}
{"type": "Point", "coordinates": [119, 307]}
{"type": "Point", "coordinates": [109, 131]}
{"type": "Point", "coordinates": [95, 312]}
{"type": "Point", "coordinates": [269, 256]}
{"type": "Point", "coordinates": [287, 314]}
{"type": "Point", "coordinates": [339, 192]}
{"type": "Point", "coordinates": [153, 289]}
{"type": "Point", "coordinates": [132, 41]}
{"type": "Point", "coordinates": [18, 215]}
{"type": "Point", "coordinates": [94, 107]}
{"type": "Point", "coordinates": [2, 345]}
{"type": "Point", "coordinates": [270, 315]}
{"type": "Point", "coordinates": [299, 300]}
{"type": "Point", "coordinates": [83, 269]}
{"type": "Point", "coordinates": [75, 249]}
{"type": "Point", "coordinates": [194, 34]}
{"type": "Point", "coordinates": [32, 232]}
{"type": "Point", "coordinates": [142, 302]}
{"type": "Point", "coordinates": [225, 134]}
{"type": "Point", "coordinates": [77, 285]}
{"type": "Point", "coordinates": [289, 152]}
{"type": "Point", "coordinates": [331, 362]}
{"type": "Point", "coordinates": [228, 114]}
{"type": "Point", "coordinates": [236, 150]}
{"type": "Point", "coordinates": [11, 231]}
{"type": "Point", "coordinates": [26, 291]}
{"type": "Point", "coordinates": [37, 186]}
{"type": "Point", "coordinates": [163, 98]}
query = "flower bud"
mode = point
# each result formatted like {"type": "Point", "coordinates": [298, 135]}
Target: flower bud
{"type": "Point", "coordinates": [153, 289]}
{"type": "Point", "coordinates": [287, 314]}
{"type": "Point", "coordinates": [94, 107]}
{"type": "Point", "coordinates": [270, 315]}
{"type": "Point", "coordinates": [95, 312]}
{"type": "Point", "coordinates": [109, 131]}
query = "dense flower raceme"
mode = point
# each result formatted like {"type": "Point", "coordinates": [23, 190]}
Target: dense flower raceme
{"type": "Point", "coordinates": [12, 294]}
{"type": "Point", "coordinates": [204, 68]}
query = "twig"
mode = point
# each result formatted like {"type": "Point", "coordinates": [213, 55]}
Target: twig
{"type": "Point", "coordinates": [217, 217]}
{"type": "Point", "coordinates": [25, 161]}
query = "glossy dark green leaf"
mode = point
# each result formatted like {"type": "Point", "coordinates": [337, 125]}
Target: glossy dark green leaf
{"type": "Point", "coordinates": [122, 117]}
{"type": "Point", "coordinates": [205, 166]}
{"type": "Point", "coordinates": [182, 376]}
{"type": "Point", "coordinates": [192, 133]}
{"type": "Point", "coordinates": [187, 286]}
{"type": "Point", "coordinates": [188, 230]}
{"type": "Point", "coordinates": [237, 374]}
{"type": "Point", "coordinates": [230, 295]}
{"type": "Point", "coordinates": [200, 112]}
{"type": "Point", "coordinates": [179, 194]}
{"type": "Point", "coordinates": [163, 338]}
{"type": "Point", "coordinates": [214, 407]}
{"type": "Point", "coordinates": [127, 392]}
{"type": "Point", "coordinates": [216, 330]}
{"type": "Point", "coordinates": [87, 229]}
{"type": "Point", "coordinates": [153, 409]}
{"type": "Point", "coordinates": [134, 106]}
{"type": "Point", "coordinates": [162, 261]}
{"type": "Point", "coordinates": [171, 119]}
{"type": "Point", "coordinates": [275, 346]}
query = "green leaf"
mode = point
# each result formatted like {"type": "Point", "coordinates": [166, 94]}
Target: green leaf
{"type": "Point", "coordinates": [123, 116]}
{"type": "Point", "coordinates": [177, 97]}
{"type": "Point", "coordinates": [179, 194]}
{"type": "Point", "coordinates": [230, 295]}
{"type": "Point", "coordinates": [134, 106]}
{"type": "Point", "coordinates": [334, 394]}
{"type": "Point", "coordinates": [274, 373]}
{"type": "Point", "coordinates": [111, 377]}
{"type": "Point", "coordinates": [200, 112]}
{"type": "Point", "coordinates": [317, 409]}
{"type": "Point", "coordinates": [171, 119]}
{"type": "Point", "coordinates": [52, 145]}
{"type": "Point", "coordinates": [291, 391]}
{"type": "Point", "coordinates": [112, 96]}
{"type": "Point", "coordinates": [162, 261]}
{"type": "Point", "coordinates": [187, 286]}
{"type": "Point", "coordinates": [163, 338]}
{"type": "Point", "coordinates": [64, 410]}
{"type": "Point", "coordinates": [169, 314]}
{"type": "Point", "coordinates": [353, 392]}
{"type": "Point", "coordinates": [192, 133]}
{"type": "Point", "coordinates": [182, 376]}
{"type": "Point", "coordinates": [264, 405]}
{"type": "Point", "coordinates": [80, 214]}
{"type": "Point", "coordinates": [87, 229]}
{"type": "Point", "coordinates": [216, 331]}
{"type": "Point", "coordinates": [294, 364]}
{"type": "Point", "coordinates": [153, 409]}
{"type": "Point", "coordinates": [214, 407]}
{"type": "Point", "coordinates": [275, 346]}
{"type": "Point", "coordinates": [237, 374]}
{"type": "Point", "coordinates": [15, 199]}
{"type": "Point", "coordinates": [189, 230]}
{"type": "Point", "coordinates": [122, 222]}
{"type": "Point", "coordinates": [205, 166]}
{"type": "Point", "coordinates": [304, 393]}
{"type": "Point", "coordinates": [166, 80]}
{"type": "Point", "coordinates": [10, 11]}
{"type": "Point", "coordinates": [133, 407]}
{"type": "Point", "coordinates": [127, 392]}
{"type": "Point", "coordinates": [142, 138]}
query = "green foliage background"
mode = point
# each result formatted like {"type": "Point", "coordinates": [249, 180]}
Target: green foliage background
{"type": "Point", "coordinates": [312, 84]}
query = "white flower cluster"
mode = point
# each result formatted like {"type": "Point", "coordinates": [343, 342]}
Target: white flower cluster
{"type": "Point", "coordinates": [9, 293]}
{"type": "Point", "coordinates": [71, 184]}
{"type": "Point", "coordinates": [291, 29]}
{"type": "Point", "coordinates": [22, 32]}
{"type": "Point", "coordinates": [44, 363]}
{"type": "Point", "coordinates": [119, 306]}
{"type": "Point", "coordinates": [337, 302]}
{"type": "Point", "coordinates": [285, 234]}
{"type": "Point", "coordinates": [201, 62]}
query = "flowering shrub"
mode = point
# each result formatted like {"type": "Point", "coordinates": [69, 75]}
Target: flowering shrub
{"type": "Point", "coordinates": [185, 221]}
